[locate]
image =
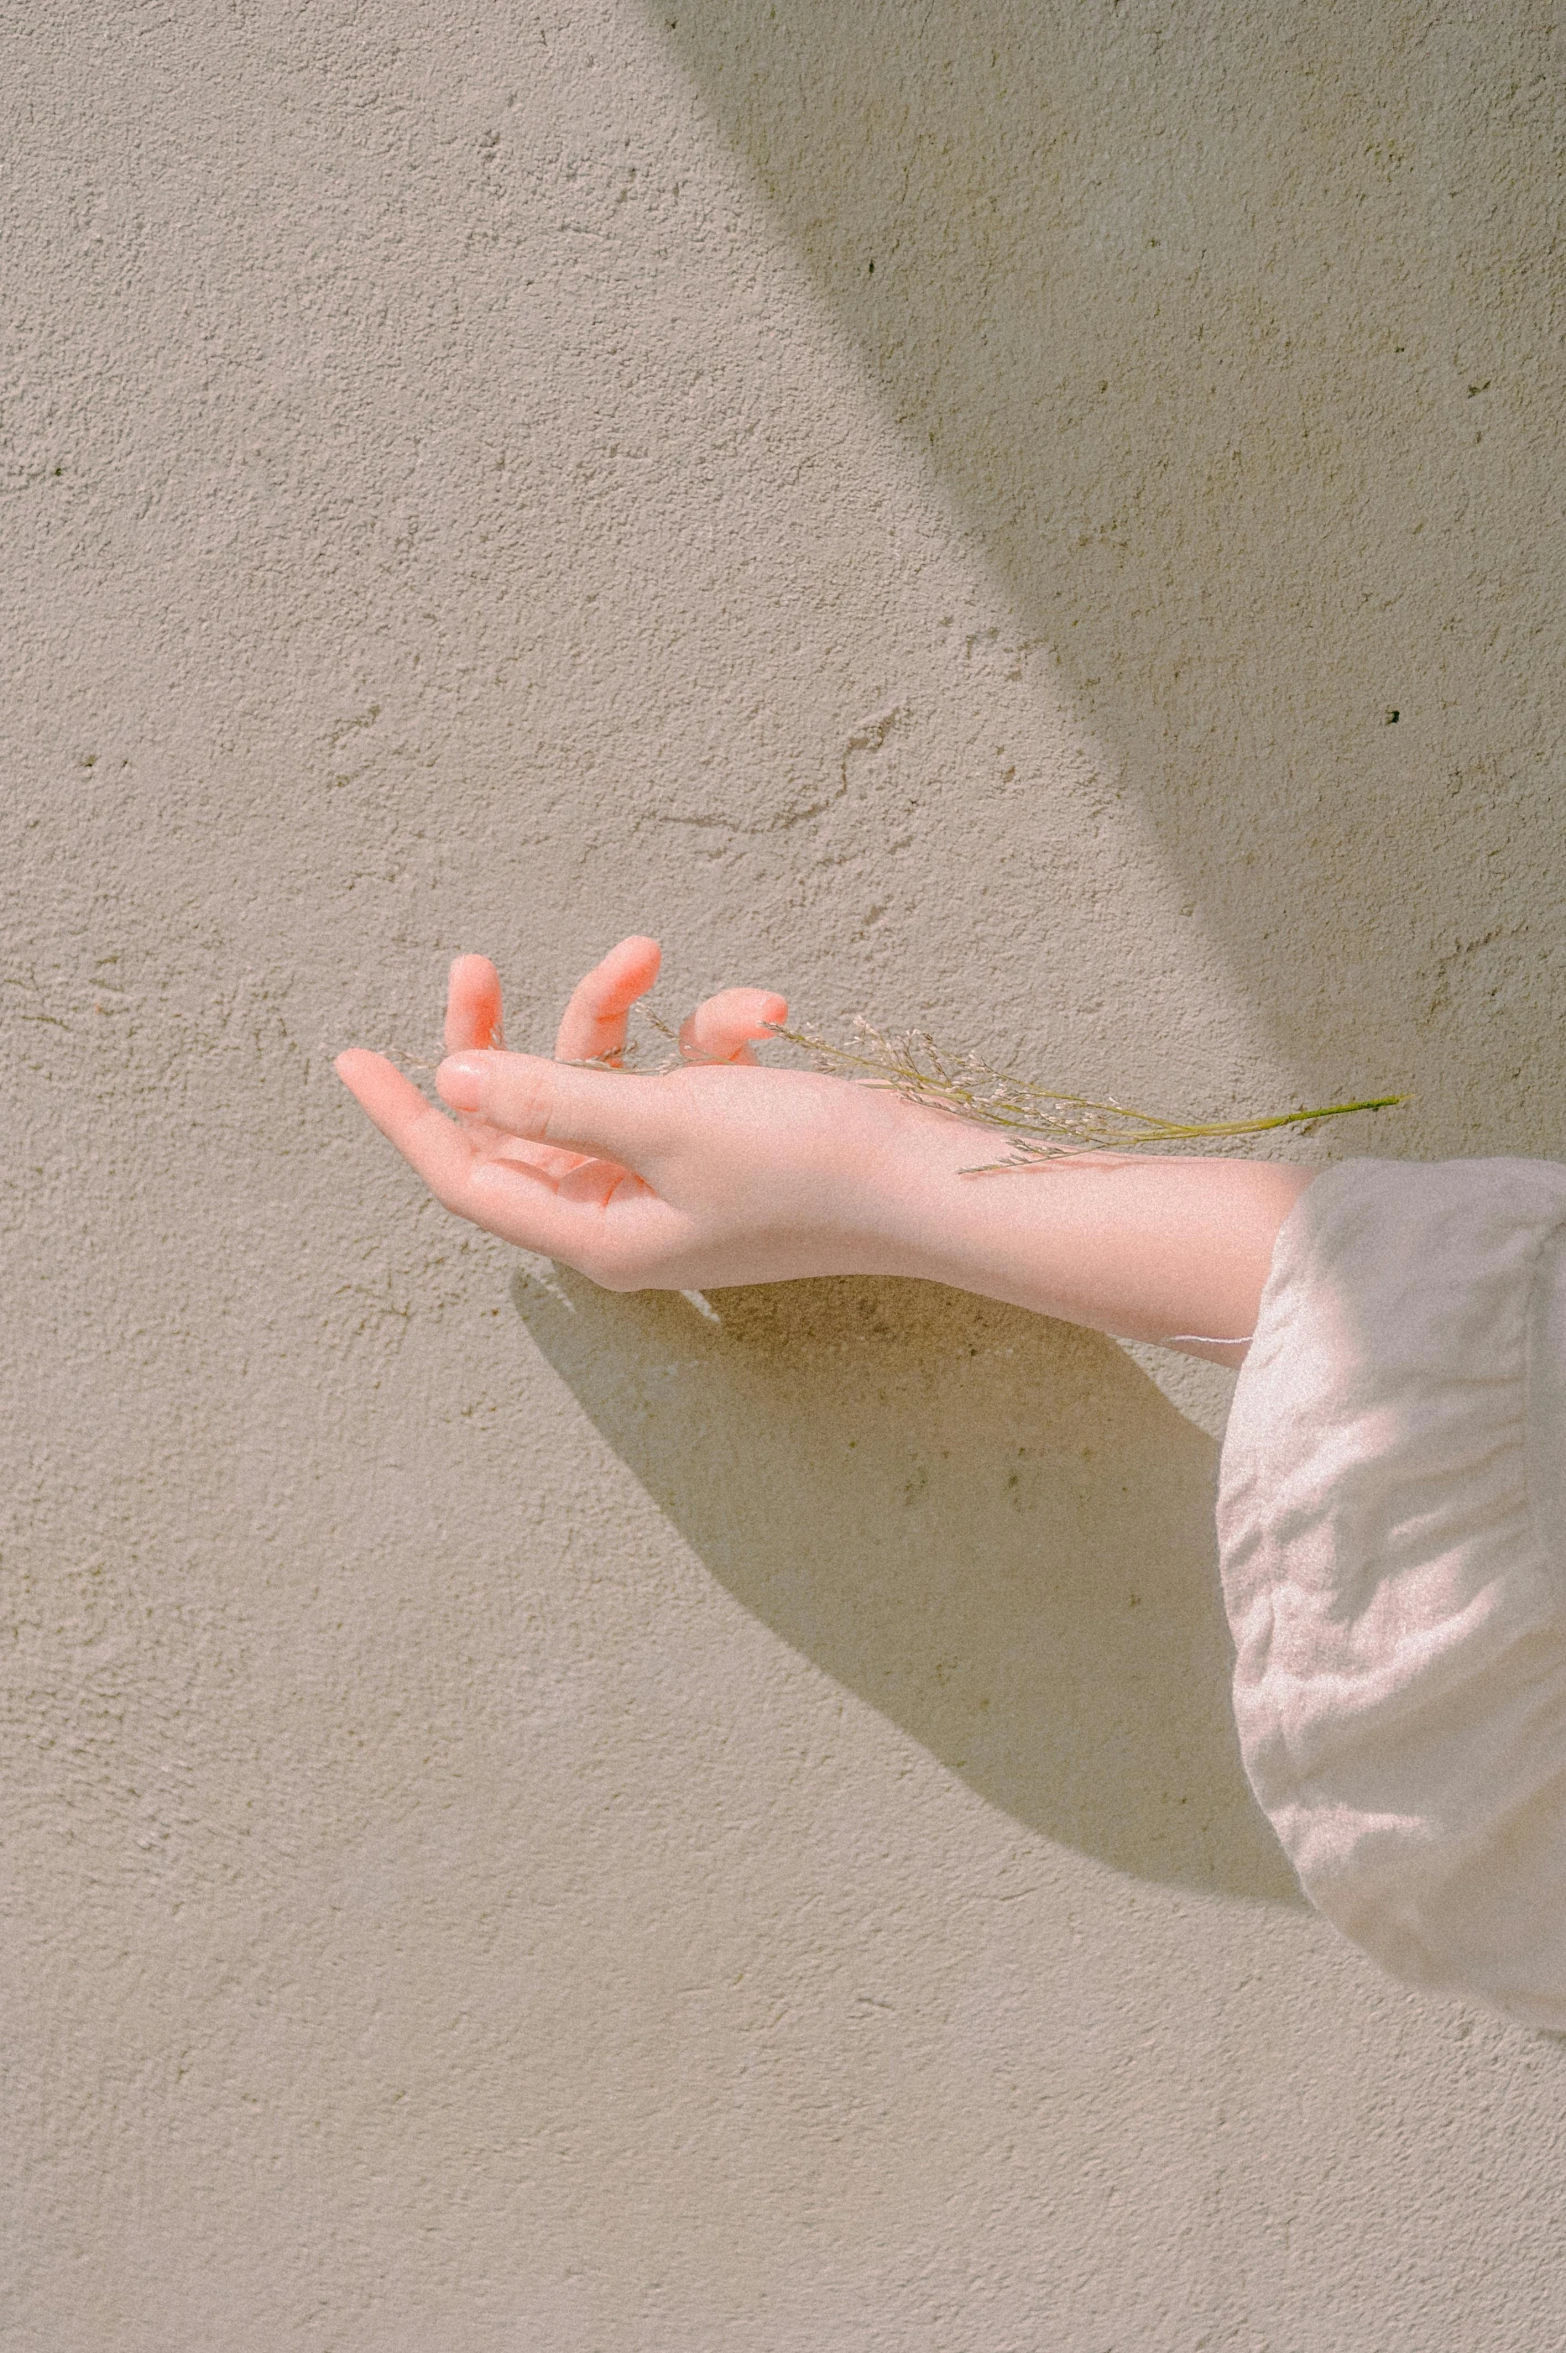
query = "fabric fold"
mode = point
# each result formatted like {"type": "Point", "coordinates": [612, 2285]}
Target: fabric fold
{"type": "Point", "coordinates": [1394, 1568]}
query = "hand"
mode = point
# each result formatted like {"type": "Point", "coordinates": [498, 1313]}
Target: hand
{"type": "Point", "coordinates": [720, 1172]}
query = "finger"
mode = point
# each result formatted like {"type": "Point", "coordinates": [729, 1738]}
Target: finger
{"type": "Point", "coordinates": [497, 1145]}
{"type": "Point", "coordinates": [596, 1112]}
{"type": "Point", "coordinates": [440, 1152]}
{"type": "Point", "coordinates": [395, 1105]}
{"type": "Point", "coordinates": [721, 1028]}
{"type": "Point", "coordinates": [597, 1216]}
{"type": "Point", "coordinates": [594, 1021]}
{"type": "Point", "coordinates": [473, 1005]}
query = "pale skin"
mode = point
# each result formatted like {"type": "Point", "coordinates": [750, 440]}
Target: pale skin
{"type": "Point", "coordinates": [724, 1171]}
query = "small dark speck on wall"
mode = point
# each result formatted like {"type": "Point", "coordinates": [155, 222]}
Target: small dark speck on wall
{"type": "Point", "coordinates": [872, 269]}
{"type": "Point", "coordinates": [1392, 718]}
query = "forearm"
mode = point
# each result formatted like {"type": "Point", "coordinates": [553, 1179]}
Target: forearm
{"type": "Point", "coordinates": [1145, 1247]}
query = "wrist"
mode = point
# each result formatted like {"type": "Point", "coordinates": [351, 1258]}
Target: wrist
{"type": "Point", "coordinates": [900, 1186]}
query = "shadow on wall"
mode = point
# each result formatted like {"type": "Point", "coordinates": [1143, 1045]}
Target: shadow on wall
{"type": "Point", "coordinates": [991, 1527]}
{"type": "Point", "coordinates": [1233, 334]}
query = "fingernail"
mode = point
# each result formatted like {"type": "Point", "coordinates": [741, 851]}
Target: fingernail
{"type": "Point", "coordinates": [460, 1081]}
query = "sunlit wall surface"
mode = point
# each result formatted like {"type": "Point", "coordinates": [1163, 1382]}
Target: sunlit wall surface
{"type": "Point", "coordinates": [542, 1820]}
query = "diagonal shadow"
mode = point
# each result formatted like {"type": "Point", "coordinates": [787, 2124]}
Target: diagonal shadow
{"type": "Point", "coordinates": [991, 1527]}
{"type": "Point", "coordinates": [1229, 334]}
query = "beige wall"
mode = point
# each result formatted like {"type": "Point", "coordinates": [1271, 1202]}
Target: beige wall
{"type": "Point", "coordinates": [534, 1819]}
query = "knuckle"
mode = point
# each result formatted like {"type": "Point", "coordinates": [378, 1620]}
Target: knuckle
{"type": "Point", "coordinates": [525, 1103]}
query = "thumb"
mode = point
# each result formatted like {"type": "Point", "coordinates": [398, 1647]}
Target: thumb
{"type": "Point", "coordinates": [609, 1114]}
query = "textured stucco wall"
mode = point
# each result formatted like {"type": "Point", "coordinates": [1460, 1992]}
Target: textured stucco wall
{"type": "Point", "coordinates": [533, 1819]}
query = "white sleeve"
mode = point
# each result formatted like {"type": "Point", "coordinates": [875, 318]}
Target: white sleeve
{"type": "Point", "coordinates": [1392, 1532]}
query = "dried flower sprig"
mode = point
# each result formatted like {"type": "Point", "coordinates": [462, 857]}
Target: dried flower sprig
{"type": "Point", "coordinates": [1042, 1124]}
